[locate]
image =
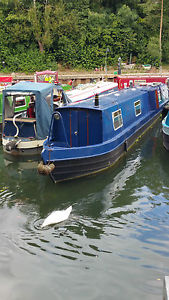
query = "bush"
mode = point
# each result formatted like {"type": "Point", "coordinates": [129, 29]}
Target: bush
{"type": "Point", "coordinates": [29, 60]}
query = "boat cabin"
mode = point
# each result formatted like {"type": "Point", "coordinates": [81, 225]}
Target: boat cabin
{"type": "Point", "coordinates": [114, 117]}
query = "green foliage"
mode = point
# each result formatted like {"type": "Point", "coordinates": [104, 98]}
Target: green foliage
{"type": "Point", "coordinates": [28, 60]}
{"type": "Point", "coordinates": [36, 35]}
{"type": "Point", "coordinates": [153, 47]}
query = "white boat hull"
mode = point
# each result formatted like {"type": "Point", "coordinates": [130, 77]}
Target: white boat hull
{"type": "Point", "coordinates": [22, 147]}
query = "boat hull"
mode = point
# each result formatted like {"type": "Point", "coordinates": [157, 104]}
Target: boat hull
{"type": "Point", "coordinates": [166, 141]}
{"type": "Point", "coordinates": [75, 168]}
{"type": "Point", "coordinates": [22, 148]}
{"type": "Point", "coordinates": [165, 128]}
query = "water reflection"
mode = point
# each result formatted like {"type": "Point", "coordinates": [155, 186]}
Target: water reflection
{"type": "Point", "coordinates": [119, 218]}
{"type": "Point", "coordinates": [94, 196]}
{"type": "Point", "coordinates": [93, 199]}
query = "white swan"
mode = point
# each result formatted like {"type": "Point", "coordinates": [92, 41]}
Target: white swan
{"type": "Point", "coordinates": [57, 216]}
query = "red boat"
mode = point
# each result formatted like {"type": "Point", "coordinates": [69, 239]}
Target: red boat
{"type": "Point", "coordinates": [6, 80]}
{"type": "Point", "coordinates": [125, 81]}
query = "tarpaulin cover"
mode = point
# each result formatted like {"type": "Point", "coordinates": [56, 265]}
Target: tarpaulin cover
{"type": "Point", "coordinates": [42, 92]}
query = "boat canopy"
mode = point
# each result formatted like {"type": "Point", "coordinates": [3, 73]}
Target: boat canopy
{"type": "Point", "coordinates": [46, 76]}
{"type": "Point", "coordinates": [43, 93]}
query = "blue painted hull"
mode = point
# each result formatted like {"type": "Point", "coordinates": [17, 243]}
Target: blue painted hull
{"type": "Point", "coordinates": [70, 168]}
{"type": "Point", "coordinates": [75, 156]}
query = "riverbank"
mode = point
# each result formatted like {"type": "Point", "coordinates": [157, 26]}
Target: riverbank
{"type": "Point", "coordinates": [83, 76]}
{"type": "Point", "coordinates": [127, 70]}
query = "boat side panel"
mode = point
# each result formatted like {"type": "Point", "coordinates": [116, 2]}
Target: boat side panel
{"type": "Point", "coordinates": [130, 121]}
{"type": "Point", "coordinates": [74, 168]}
{"type": "Point", "coordinates": [25, 129]}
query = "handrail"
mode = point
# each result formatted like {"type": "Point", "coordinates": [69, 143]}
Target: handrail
{"type": "Point", "coordinates": [17, 129]}
{"type": "Point", "coordinates": [64, 130]}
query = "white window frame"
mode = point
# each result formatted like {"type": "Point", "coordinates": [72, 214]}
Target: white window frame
{"type": "Point", "coordinates": [121, 118]}
{"type": "Point", "coordinates": [135, 105]}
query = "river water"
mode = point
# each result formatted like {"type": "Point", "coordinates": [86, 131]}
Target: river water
{"type": "Point", "coordinates": [114, 245]}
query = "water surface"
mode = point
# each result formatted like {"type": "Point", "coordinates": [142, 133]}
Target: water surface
{"type": "Point", "coordinates": [114, 244]}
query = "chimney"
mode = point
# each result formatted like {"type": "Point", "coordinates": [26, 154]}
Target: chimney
{"type": "Point", "coordinates": [96, 102]}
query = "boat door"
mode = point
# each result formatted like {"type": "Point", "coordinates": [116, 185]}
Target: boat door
{"type": "Point", "coordinates": [83, 126]}
{"type": "Point", "coordinates": [73, 125]}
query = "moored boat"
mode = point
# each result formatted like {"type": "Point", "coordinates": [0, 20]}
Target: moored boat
{"type": "Point", "coordinates": [46, 76]}
{"type": "Point", "coordinates": [85, 91]}
{"type": "Point", "coordinates": [88, 137]}
{"type": "Point", "coordinates": [24, 132]}
{"type": "Point", "coordinates": [165, 128]}
{"type": "Point", "coordinates": [125, 81]}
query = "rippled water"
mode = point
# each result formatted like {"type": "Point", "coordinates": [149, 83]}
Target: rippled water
{"type": "Point", "coordinates": [115, 244]}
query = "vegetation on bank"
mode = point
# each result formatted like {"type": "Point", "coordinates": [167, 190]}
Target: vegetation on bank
{"type": "Point", "coordinates": [84, 34]}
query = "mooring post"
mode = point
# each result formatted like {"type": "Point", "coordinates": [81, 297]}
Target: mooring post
{"type": "Point", "coordinates": [166, 288]}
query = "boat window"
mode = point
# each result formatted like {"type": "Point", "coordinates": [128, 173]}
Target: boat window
{"type": "Point", "coordinates": [140, 82]}
{"type": "Point", "coordinates": [137, 106]}
{"type": "Point", "coordinates": [46, 78]}
{"type": "Point", "coordinates": [164, 92]}
{"type": "Point", "coordinates": [48, 99]}
{"type": "Point", "coordinates": [20, 101]}
{"type": "Point", "coordinates": [9, 109]}
{"type": "Point", "coordinates": [57, 95]}
{"type": "Point", "coordinates": [130, 83]}
{"type": "Point", "coordinates": [117, 119]}
{"type": "Point", "coordinates": [159, 96]}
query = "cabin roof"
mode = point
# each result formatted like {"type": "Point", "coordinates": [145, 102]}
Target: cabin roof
{"type": "Point", "coordinates": [117, 97]}
{"type": "Point", "coordinates": [28, 86]}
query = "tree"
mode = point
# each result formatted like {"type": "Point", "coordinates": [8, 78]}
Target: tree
{"type": "Point", "coordinates": [40, 18]}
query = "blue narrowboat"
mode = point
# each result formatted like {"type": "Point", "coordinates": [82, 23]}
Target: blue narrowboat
{"type": "Point", "coordinates": [91, 136]}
